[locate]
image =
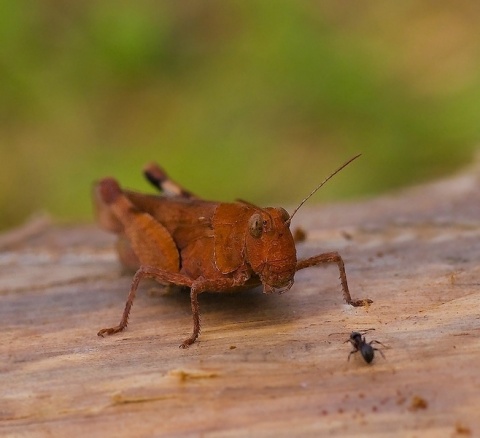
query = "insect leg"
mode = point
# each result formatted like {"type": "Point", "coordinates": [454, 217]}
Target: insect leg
{"type": "Point", "coordinates": [161, 276]}
{"type": "Point", "coordinates": [378, 349]}
{"type": "Point", "coordinates": [377, 342]}
{"type": "Point", "coordinates": [150, 241]}
{"type": "Point", "coordinates": [352, 352]}
{"type": "Point", "coordinates": [196, 319]}
{"type": "Point", "coordinates": [159, 179]}
{"type": "Point", "coordinates": [333, 257]}
{"type": "Point", "coordinates": [197, 287]}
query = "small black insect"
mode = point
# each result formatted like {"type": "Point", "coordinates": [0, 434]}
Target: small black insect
{"type": "Point", "coordinates": [365, 348]}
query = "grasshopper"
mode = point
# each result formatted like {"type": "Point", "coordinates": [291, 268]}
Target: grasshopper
{"type": "Point", "coordinates": [180, 239]}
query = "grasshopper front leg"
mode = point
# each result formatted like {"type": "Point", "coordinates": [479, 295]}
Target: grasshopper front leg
{"type": "Point", "coordinates": [334, 257]}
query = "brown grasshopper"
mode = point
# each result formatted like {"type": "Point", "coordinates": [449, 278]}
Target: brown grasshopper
{"type": "Point", "coordinates": [180, 239]}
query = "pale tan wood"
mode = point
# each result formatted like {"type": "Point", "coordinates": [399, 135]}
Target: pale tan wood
{"type": "Point", "coordinates": [264, 365]}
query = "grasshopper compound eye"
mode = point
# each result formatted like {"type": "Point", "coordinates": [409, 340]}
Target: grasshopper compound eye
{"type": "Point", "coordinates": [255, 225]}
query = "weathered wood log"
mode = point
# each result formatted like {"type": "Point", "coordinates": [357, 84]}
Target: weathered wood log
{"type": "Point", "coordinates": [264, 365]}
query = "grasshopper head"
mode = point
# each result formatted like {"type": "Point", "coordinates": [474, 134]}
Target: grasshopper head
{"type": "Point", "coordinates": [270, 248]}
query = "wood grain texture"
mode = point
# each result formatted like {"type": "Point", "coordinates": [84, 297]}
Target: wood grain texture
{"type": "Point", "coordinates": [264, 365]}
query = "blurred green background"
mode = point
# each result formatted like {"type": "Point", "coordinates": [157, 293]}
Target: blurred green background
{"type": "Point", "coordinates": [235, 98]}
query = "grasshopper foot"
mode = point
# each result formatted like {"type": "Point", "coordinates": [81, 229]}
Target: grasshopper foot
{"type": "Point", "coordinates": [361, 303]}
{"type": "Point", "coordinates": [189, 341]}
{"type": "Point", "coordinates": [110, 331]}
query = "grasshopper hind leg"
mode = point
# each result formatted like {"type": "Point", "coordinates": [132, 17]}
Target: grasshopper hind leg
{"type": "Point", "coordinates": [160, 180]}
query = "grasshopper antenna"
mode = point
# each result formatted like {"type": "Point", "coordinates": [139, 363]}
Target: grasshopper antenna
{"type": "Point", "coordinates": [320, 185]}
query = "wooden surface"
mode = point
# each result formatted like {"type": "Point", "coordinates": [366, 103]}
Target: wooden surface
{"type": "Point", "coordinates": [265, 365]}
